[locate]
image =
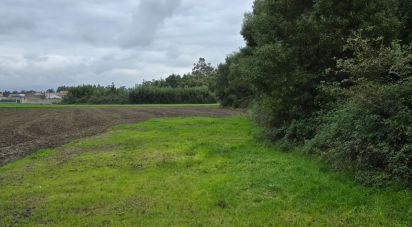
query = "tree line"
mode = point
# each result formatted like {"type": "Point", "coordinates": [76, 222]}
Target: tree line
{"type": "Point", "coordinates": [331, 76]}
{"type": "Point", "coordinates": [191, 88]}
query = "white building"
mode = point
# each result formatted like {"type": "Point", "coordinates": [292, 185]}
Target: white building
{"type": "Point", "coordinates": [14, 98]}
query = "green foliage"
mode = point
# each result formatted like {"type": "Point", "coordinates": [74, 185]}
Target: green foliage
{"type": "Point", "coordinates": [203, 74]}
{"type": "Point", "coordinates": [375, 62]}
{"type": "Point", "coordinates": [63, 88]}
{"type": "Point", "coordinates": [294, 43]}
{"type": "Point", "coordinates": [177, 81]}
{"type": "Point", "coordinates": [406, 19]}
{"type": "Point", "coordinates": [370, 133]}
{"type": "Point", "coordinates": [92, 94]}
{"type": "Point", "coordinates": [232, 88]}
{"type": "Point", "coordinates": [369, 129]}
{"type": "Point", "coordinates": [149, 94]}
{"type": "Point", "coordinates": [331, 74]}
{"type": "Point", "coordinates": [202, 68]}
{"type": "Point", "coordinates": [192, 88]}
{"type": "Point", "coordinates": [188, 172]}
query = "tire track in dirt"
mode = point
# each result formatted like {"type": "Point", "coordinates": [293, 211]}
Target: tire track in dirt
{"type": "Point", "coordinates": [25, 130]}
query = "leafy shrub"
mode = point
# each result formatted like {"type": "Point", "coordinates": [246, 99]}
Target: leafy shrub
{"type": "Point", "coordinates": [370, 133]}
{"type": "Point", "coordinates": [144, 94]}
{"type": "Point", "coordinates": [92, 94]}
{"type": "Point", "coordinates": [232, 87]}
{"type": "Point", "coordinates": [369, 129]}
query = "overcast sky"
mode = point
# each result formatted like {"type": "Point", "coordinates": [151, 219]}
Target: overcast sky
{"type": "Point", "coordinates": [47, 43]}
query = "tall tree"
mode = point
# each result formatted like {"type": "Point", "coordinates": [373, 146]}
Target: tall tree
{"type": "Point", "coordinates": [294, 43]}
{"type": "Point", "coordinates": [202, 68]}
{"type": "Point", "coordinates": [232, 87]}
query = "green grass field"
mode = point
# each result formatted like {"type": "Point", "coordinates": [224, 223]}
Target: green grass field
{"type": "Point", "coordinates": [188, 172]}
{"type": "Point", "coordinates": [17, 105]}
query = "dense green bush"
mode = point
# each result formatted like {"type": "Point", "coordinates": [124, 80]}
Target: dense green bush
{"type": "Point", "coordinates": [92, 94]}
{"type": "Point", "coordinates": [147, 94]}
{"type": "Point", "coordinates": [294, 43]}
{"type": "Point", "coordinates": [370, 133]}
{"type": "Point", "coordinates": [332, 75]}
{"type": "Point", "coordinates": [232, 88]}
{"type": "Point", "coordinates": [369, 129]}
{"type": "Point", "coordinates": [192, 88]}
{"type": "Point", "coordinates": [141, 94]}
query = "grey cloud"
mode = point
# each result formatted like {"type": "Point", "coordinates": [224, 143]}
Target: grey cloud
{"type": "Point", "coordinates": [11, 23]}
{"type": "Point", "coordinates": [48, 43]}
{"type": "Point", "coordinates": [15, 25]}
{"type": "Point", "coordinates": [146, 21]}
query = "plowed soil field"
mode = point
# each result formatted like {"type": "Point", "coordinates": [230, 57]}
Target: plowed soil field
{"type": "Point", "coordinates": [25, 130]}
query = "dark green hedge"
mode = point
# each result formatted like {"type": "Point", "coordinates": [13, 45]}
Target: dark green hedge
{"type": "Point", "coordinates": [167, 95]}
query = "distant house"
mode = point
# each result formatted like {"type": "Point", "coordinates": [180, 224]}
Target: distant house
{"type": "Point", "coordinates": [14, 98]}
{"type": "Point", "coordinates": [35, 95]}
{"type": "Point", "coordinates": [1, 94]}
{"type": "Point", "coordinates": [17, 96]}
{"type": "Point", "coordinates": [42, 98]}
{"type": "Point", "coordinates": [33, 98]}
{"type": "Point", "coordinates": [53, 97]}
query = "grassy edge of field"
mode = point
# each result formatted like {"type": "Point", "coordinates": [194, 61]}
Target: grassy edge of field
{"type": "Point", "coordinates": [16, 105]}
{"type": "Point", "coordinates": [188, 171]}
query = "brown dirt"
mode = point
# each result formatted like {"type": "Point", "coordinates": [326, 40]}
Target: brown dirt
{"type": "Point", "coordinates": [25, 130]}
